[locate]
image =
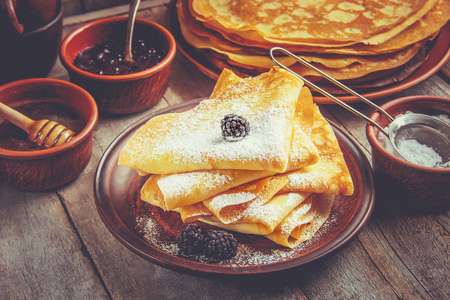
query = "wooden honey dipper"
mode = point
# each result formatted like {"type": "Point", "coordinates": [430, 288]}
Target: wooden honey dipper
{"type": "Point", "coordinates": [42, 132]}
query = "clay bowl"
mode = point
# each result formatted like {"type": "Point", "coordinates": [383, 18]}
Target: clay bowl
{"type": "Point", "coordinates": [412, 186]}
{"type": "Point", "coordinates": [120, 94]}
{"type": "Point", "coordinates": [30, 53]}
{"type": "Point", "coordinates": [50, 168]}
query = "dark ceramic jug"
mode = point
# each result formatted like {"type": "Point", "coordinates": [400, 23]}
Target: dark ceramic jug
{"type": "Point", "coordinates": [30, 33]}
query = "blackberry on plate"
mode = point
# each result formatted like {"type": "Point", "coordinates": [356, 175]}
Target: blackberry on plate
{"type": "Point", "coordinates": [190, 241]}
{"type": "Point", "coordinates": [234, 127]}
{"type": "Point", "coordinates": [220, 245]}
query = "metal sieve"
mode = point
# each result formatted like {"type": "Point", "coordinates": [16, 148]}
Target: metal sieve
{"type": "Point", "coordinates": [426, 130]}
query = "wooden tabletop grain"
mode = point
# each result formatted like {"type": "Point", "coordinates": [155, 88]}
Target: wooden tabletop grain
{"type": "Point", "coordinates": [53, 245]}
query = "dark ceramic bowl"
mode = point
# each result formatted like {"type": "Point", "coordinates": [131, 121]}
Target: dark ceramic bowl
{"type": "Point", "coordinates": [49, 168]}
{"type": "Point", "coordinates": [30, 53]}
{"type": "Point", "coordinates": [120, 94]}
{"type": "Point", "coordinates": [410, 185]}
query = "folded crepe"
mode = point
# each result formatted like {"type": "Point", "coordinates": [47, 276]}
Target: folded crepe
{"type": "Point", "coordinates": [192, 140]}
{"type": "Point", "coordinates": [232, 205]}
{"type": "Point", "coordinates": [235, 203]}
{"type": "Point", "coordinates": [303, 222]}
{"type": "Point", "coordinates": [287, 219]}
{"type": "Point", "coordinates": [264, 219]}
{"type": "Point", "coordinates": [330, 175]}
{"type": "Point", "coordinates": [249, 208]}
{"type": "Point", "coordinates": [176, 190]}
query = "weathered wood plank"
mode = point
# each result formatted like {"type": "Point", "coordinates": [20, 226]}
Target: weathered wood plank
{"type": "Point", "coordinates": [445, 71]}
{"type": "Point", "coordinates": [71, 7]}
{"type": "Point", "coordinates": [350, 274]}
{"type": "Point", "coordinates": [42, 256]}
{"type": "Point", "coordinates": [421, 244]}
{"type": "Point", "coordinates": [83, 17]}
{"type": "Point", "coordinates": [393, 268]}
{"type": "Point", "coordinates": [79, 7]}
{"type": "Point", "coordinates": [93, 5]}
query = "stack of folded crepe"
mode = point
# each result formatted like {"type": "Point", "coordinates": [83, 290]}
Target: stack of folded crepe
{"type": "Point", "coordinates": [279, 181]}
{"type": "Point", "coordinates": [362, 43]}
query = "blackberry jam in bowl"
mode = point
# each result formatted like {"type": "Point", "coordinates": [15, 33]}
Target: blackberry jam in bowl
{"type": "Point", "coordinates": [107, 58]}
{"type": "Point", "coordinates": [93, 55]}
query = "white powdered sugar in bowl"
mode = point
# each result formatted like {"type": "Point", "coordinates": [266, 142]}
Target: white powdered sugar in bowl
{"type": "Point", "coordinates": [413, 151]}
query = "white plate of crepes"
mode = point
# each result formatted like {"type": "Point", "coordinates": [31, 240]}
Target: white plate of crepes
{"type": "Point", "coordinates": [251, 180]}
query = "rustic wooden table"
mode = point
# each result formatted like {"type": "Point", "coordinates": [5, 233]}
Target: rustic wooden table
{"type": "Point", "coordinates": [55, 246]}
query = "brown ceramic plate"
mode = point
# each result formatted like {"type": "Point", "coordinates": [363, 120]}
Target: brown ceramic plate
{"type": "Point", "coordinates": [437, 57]}
{"type": "Point", "coordinates": [151, 232]}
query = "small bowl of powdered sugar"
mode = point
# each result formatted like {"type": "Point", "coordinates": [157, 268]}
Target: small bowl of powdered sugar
{"type": "Point", "coordinates": [418, 178]}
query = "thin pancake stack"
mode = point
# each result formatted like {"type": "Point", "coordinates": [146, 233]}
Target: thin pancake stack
{"type": "Point", "coordinates": [278, 181]}
{"type": "Point", "coordinates": [362, 43]}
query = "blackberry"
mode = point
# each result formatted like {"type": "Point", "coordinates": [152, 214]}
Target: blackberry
{"type": "Point", "coordinates": [190, 240]}
{"type": "Point", "coordinates": [234, 127]}
{"type": "Point", "coordinates": [220, 245]}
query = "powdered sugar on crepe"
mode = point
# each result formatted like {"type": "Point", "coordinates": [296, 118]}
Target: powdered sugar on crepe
{"type": "Point", "coordinates": [177, 185]}
{"type": "Point", "coordinates": [230, 199]}
{"type": "Point", "coordinates": [270, 214]}
{"type": "Point", "coordinates": [296, 219]}
{"type": "Point", "coordinates": [313, 180]}
{"type": "Point", "coordinates": [192, 140]}
{"type": "Point", "coordinates": [201, 140]}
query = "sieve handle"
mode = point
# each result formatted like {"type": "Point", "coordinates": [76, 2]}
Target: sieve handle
{"type": "Point", "coordinates": [326, 94]}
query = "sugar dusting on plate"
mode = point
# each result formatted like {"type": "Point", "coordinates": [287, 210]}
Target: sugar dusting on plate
{"type": "Point", "coordinates": [248, 253]}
